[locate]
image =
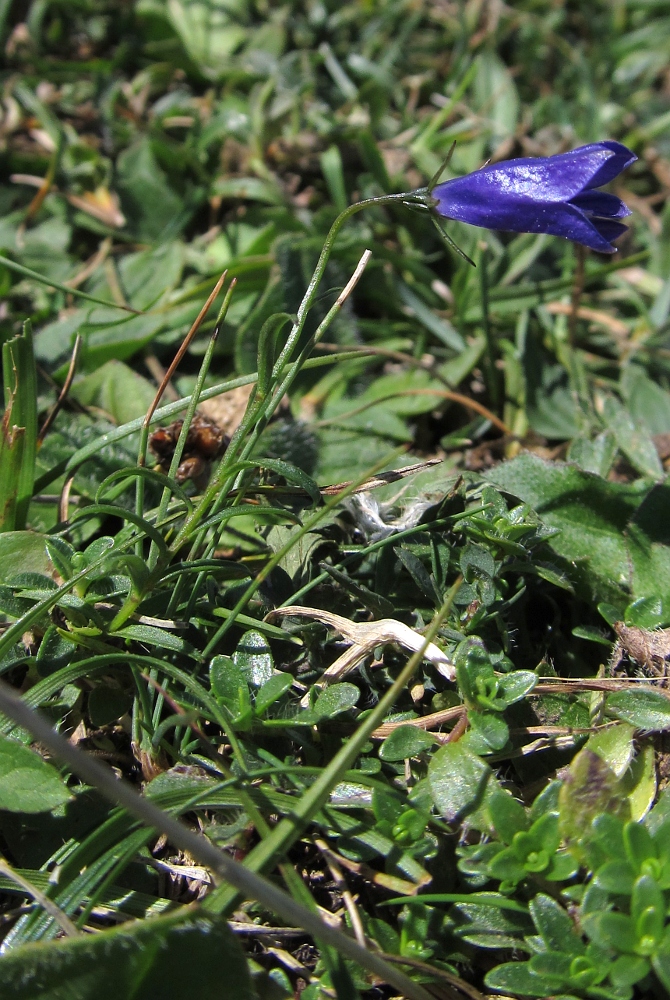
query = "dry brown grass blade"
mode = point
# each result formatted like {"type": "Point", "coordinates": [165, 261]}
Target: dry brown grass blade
{"type": "Point", "coordinates": [76, 351]}
{"type": "Point", "coordinates": [555, 685]}
{"type": "Point", "coordinates": [393, 883]}
{"type": "Point", "coordinates": [427, 722]}
{"type": "Point", "coordinates": [183, 349]}
{"type": "Point", "coordinates": [454, 397]}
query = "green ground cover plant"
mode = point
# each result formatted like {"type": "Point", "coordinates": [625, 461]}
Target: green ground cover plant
{"type": "Point", "coordinates": [334, 570]}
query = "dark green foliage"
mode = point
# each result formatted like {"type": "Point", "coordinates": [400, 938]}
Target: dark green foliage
{"type": "Point", "coordinates": [495, 811]}
{"type": "Point", "coordinates": [618, 936]}
{"type": "Point", "coordinates": [157, 958]}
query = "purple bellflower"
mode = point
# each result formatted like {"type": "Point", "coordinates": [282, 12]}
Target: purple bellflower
{"type": "Point", "coordinates": [553, 194]}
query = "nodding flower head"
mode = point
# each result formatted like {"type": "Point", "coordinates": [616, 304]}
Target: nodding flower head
{"type": "Point", "coordinates": [553, 194]}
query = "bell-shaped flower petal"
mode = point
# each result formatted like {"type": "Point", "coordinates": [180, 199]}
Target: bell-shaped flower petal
{"type": "Point", "coordinates": [555, 195]}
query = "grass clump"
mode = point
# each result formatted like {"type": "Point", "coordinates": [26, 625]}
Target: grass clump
{"type": "Point", "coordinates": [350, 558]}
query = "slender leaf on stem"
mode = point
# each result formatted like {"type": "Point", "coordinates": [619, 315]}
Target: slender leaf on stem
{"type": "Point", "coordinates": [18, 431]}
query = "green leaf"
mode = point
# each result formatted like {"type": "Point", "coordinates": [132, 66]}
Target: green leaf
{"type": "Point", "coordinates": [546, 801]}
{"type": "Point", "coordinates": [271, 691]}
{"type": "Point", "coordinates": [61, 554]}
{"type": "Point", "coordinates": [348, 452]}
{"type": "Point", "coordinates": [638, 844]}
{"type": "Point", "coordinates": [633, 440]}
{"type": "Point", "coordinates": [289, 471]}
{"type": "Point", "coordinates": [507, 867]}
{"type": "Point", "coordinates": [439, 327]}
{"type": "Point", "coordinates": [590, 788]}
{"type": "Point", "coordinates": [518, 977]}
{"type": "Point", "coordinates": [477, 563]}
{"type": "Point", "coordinates": [591, 514]}
{"type": "Point", "coordinates": [254, 657]}
{"type": "Point", "coordinates": [615, 746]}
{"type": "Point", "coordinates": [660, 814]}
{"type": "Point", "coordinates": [152, 958]}
{"type": "Point", "coordinates": [616, 876]}
{"type": "Point", "coordinates": [644, 708]}
{"type": "Point", "coordinates": [554, 925]}
{"type": "Point", "coordinates": [396, 394]}
{"type": "Point", "coordinates": [611, 614]}
{"type": "Point", "coordinates": [210, 33]}
{"type": "Point", "coordinates": [27, 783]}
{"type": "Point", "coordinates": [476, 677]}
{"type": "Point", "coordinates": [545, 831]}
{"type": "Point", "coordinates": [550, 404]}
{"type": "Point", "coordinates": [490, 728]}
{"type": "Point", "coordinates": [554, 964]}
{"type": "Point", "coordinates": [335, 699]}
{"type": "Point", "coordinates": [595, 455]}
{"type": "Point", "coordinates": [457, 368]}
{"type": "Point", "coordinates": [639, 781]}
{"type": "Point", "coordinates": [248, 189]}
{"type": "Point", "coordinates": [608, 830]}
{"type": "Point", "coordinates": [648, 613]}
{"type": "Point", "coordinates": [561, 867]}
{"type": "Point", "coordinates": [508, 816]}
{"type": "Point", "coordinates": [516, 685]}
{"type": "Point", "coordinates": [490, 926]}
{"type": "Point", "coordinates": [648, 538]}
{"type": "Point", "coordinates": [107, 704]}
{"type": "Point", "coordinates": [404, 742]}
{"type": "Point", "coordinates": [628, 970]}
{"type": "Point", "coordinates": [418, 572]}
{"type": "Point", "coordinates": [300, 555]}
{"type": "Point", "coordinates": [116, 389]}
{"type": "Point", "coordinates": [109, 338]}
{"type": "Point", "coordinates": [18, 432]}
{"type": "Point", "coordinates": [333, 172]}
{"type": "Point", "coordinates": [149, 276]}
{"type": "Point", "coordinates": [460, 784]}
{"type": "Point", "coordinates": [23, 551]}
{"type": "Point", "coordinates": [647, 908]}
{"type": "Point", "coordinates": [614, 931]}
{"type": "Point", "coordinates": [153, 636]}
{"type": "Point", "coordinates": [228, 679]}
{"type": "Point", "coordinates": [153, 209]}
{"type": "Point", "coordinates": [661, 961]}
{"type": "Point", "coordinates": [648, 402]}
{"type": "Point", "coordinates": [267, 350]}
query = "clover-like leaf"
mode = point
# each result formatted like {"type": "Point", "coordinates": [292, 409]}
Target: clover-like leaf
{"type": "Point", "coordinates": [518, 977]}
{"type": "Point", "coordinates": [508, 816]}
{"type": "Point", "coordinates": [335, 699]}
{"type": "Point", "coordinates": [460, 783]}
{"type": "Point", "coordinates": [404, 742]}
{"type": "Point", "coordinates": [276, 685]}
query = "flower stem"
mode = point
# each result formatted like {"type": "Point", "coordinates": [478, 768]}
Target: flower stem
{"type": "Point", "coordinates": [232, 454]}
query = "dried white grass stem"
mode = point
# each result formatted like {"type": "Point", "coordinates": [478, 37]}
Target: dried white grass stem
{"type": "Point", "coordinates": [354, 279]}
{"type": "Point", "coordinates": [364, 636]}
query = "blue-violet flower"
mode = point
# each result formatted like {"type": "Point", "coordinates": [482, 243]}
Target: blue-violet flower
{"type": "Point", "coordinates": [553, 194]}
